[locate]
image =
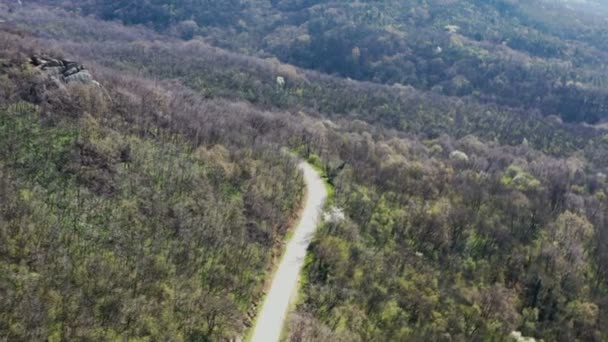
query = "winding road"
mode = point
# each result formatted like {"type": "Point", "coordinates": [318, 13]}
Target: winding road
{"type": "Point", "coordinates": [271, 318]}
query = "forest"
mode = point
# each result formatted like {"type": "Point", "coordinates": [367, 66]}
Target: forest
{"type": "Point", "coordinates": [152, 206]}
{"type": "Point", "coordinates": [119, 220]}
{"type": "Point", "coordinates": [534, 54]}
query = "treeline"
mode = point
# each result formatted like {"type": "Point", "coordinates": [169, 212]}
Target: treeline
{"type": "Point", "coordinates": [531, 54]}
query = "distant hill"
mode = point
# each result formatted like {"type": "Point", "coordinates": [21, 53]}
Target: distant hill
{"type": "Point", "coordinates": [537, 54]}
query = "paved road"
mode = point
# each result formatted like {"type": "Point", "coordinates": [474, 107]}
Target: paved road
{"type": "Point", "coordinates": [271, 319]}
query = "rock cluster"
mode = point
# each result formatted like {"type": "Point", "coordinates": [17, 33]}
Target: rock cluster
{"type": "Point", "coordinates": [65, 70]}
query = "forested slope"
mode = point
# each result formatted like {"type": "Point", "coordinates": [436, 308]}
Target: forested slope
{"type": "Point", "coordinates": [215, 73]}
{"type": "Point", "coordinates": [117, 222]}
{"type": "Point", "coordinates": [537, 54]}
{"type": "Point", "coordinates": [465, 220]}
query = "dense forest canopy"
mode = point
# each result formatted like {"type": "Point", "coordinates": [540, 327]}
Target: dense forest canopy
{"type": "Point", "coordinates": [537, 54]}
{"type": "Point", "coordinates": [152, 203]}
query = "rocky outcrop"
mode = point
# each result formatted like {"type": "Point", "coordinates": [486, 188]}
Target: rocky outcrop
{"type": "Point", "coordinates": [63, 70]}
{"type": "Point", "coordinates": [63, 85]}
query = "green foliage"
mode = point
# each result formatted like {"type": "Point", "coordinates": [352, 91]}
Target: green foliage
{"type": "Point", "coordinates": [516, 177]}
{"type": "Point", "coordinates": [162, 208]}
{"type": "Point", "coordinates": [108, 233]}
{"type": "Point", "coordinates": [456, 253]}
{"type": "Point", "coordinates": [217, 73]}
{"type": "Point", "coordinates": [315, 161]}
{"type": "Point", "coordinates": [536, 54]}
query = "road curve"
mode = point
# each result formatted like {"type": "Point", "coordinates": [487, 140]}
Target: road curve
{"type": "Point", "coordinates": [271, 318]}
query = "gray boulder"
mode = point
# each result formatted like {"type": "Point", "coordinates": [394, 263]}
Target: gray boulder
{"type": "Point", "coordinates": [83, 77]}
{"type": "Point", "coordinates": [63, 70]}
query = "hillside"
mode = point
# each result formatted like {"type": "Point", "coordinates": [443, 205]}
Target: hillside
{"type": "Point", "coordinates": [538, 54]}
{"type": "Point", "coordinates": [152, 205]}
{"type": "Point", "coordinates": [119, 218]}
